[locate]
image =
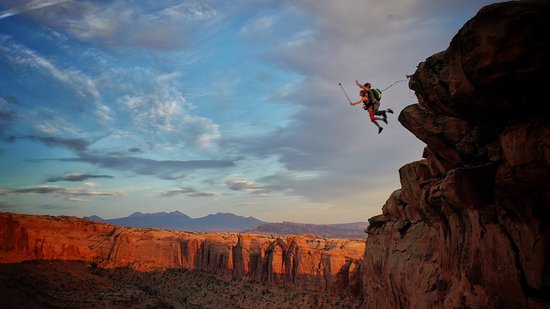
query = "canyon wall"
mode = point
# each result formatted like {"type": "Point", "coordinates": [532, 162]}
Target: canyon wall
{"type": "Point", "coordinates": [329, 265]}
{"type": "Point", "coordinates": [469, 227]}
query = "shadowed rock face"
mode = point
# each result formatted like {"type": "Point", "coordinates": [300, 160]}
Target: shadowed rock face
{"type": "Point", "coordinates": [469, 227]}
{"type": "Point", "coordinates": [329, 265]}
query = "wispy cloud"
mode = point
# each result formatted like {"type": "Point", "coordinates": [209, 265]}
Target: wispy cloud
{"type": "Point", "coordinates": [75, 177]}
{"type": "Point", "coordinates": [76, 144]}
{"type": "Point", "coordinates": [9, 99]}
{"type": "Point", "coordinates": [247, 186]}
{"type": "Point", "coordinates": [188, 10]}
{"type": "Point", "coordinates": [259, 26]}
{"type": "Point", "coordinates": [164, 169]}
{"type": "Point", "coordinates": [7, 118]}
{"type": "Point", "coordinates": [54, 125]}
{"type": "Point", "coordinates": [80, 83]}
{"type": "Point", "coordinates": [71, 194]}
{"type": "Point", "coordinates": [238, 185]}
{"type": "Point", "coordinates": [162, 25]}
{"type": "Point", "coordinates": [167, 112]}
{"type": "Point", "coordinates": [8, 115]}
{"type": "Point", "coordinates": [29, 6]}
{"type": "Point", "coordinates": [286, 92]}
{"type": "Point", "coordinates": [186, 192]}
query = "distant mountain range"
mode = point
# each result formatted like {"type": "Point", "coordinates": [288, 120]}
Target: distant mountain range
{"type": "Point", "coordinates": [177, 221]}
{"type": "Point", "coordinates": [227, 222]}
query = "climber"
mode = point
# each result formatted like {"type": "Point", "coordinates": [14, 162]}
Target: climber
{"type": "Point", "coordinates": [369, 106]}
{"type": "Point", "coordinates": [372, 104]}
{"type": "Point", "coordinates": [375, 95]}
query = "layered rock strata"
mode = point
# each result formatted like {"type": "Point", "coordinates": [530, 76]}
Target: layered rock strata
{"type": "Point", "coordinates": [329, 265]}
{"type": "Point", "coordinates": [469, 227]}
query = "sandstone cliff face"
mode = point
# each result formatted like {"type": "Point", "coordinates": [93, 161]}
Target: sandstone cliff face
{"type": "Point", "coordinates": [329, 265]}
{"type": "Point", "coordinates": [469, 227]}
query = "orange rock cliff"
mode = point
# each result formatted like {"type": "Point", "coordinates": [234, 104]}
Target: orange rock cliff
{"type": "Point", "coordinates": [469, 227]}
{"type": "Point", "coordinates": [329, 265]}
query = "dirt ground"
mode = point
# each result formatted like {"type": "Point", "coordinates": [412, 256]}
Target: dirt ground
{"type": "Point", "coordinates": [62, 284]}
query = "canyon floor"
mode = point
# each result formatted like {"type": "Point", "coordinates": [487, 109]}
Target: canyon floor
{"type": "Point", "coordinates": [73, 284]}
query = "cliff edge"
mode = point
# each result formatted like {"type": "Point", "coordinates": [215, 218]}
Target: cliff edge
{"type": "Point", "coordinates": [469, 227]}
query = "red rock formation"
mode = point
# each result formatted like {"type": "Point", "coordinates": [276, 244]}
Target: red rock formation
{"type": "Point", "coordinates": [321, 264]}
{"type": "Point", "coordinates": [469, 226]}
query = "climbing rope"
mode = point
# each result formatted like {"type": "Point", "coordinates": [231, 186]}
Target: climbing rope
{"type": "Point", "coordinates": [399, 81]}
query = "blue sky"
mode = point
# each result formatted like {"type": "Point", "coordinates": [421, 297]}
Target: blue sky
{"type": "Point", "coordinates": [112, 107]}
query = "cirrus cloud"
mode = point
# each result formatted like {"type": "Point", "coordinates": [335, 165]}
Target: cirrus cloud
{"type": "Point", "coordinates": [76, 177]}
{"type": "Point", "coordinates": [186, 192]}
{"type": "Point", "coordinates": [165, 26]}
{"type": "Point", "coordinates": [247, 186]}
{"type": "Point", "coordinates": [167, 112]}
{"type": "Point", "coordinates": [71, 194]}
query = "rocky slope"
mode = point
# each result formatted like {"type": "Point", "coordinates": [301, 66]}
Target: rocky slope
{"type": "Point", "coordinates": [469, 226]}
{"type": "Point", "coordinates": [329, 265]}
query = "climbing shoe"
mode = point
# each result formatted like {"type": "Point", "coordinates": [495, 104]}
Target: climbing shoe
{"type": "Point", "coordinates": [380, 130]}
{"type": "Point", "coordinates": [389, 110]}
{"type": "Point", "coordinates": [385, 120]}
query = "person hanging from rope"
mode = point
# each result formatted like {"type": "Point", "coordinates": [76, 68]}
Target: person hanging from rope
{"type": "Point", "coordinates": [375, 95]}
{"type": "Point", "coordinates": [371, 103]}
{"type": "Point", "coordinates": [369, 106]}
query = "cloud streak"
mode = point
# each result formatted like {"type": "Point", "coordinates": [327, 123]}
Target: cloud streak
{"type": "Point", "coordinates": [164, 26]}
{"type": "Point", "coordinates": [246, 186]}
{"type": "Point", "coordinates": [29, 6]}
{"type": "Point", "coordinates": [164, 169]}
{"type": "Point", "coordinates": [186, 192]}
{"type": "Point", "coordinates": [167, 169]}
{"type": "Point", "coordinates": [8, 115]}
{"type": "Point", "coordinates": [76, 177]}
{"type": "Point", "coordinates": [167, 112]}
{"type": "Point", "coordinates": [70, 194]}
{"type": "Point", "coordinates": [76, 144]}
{"type": "Point", "coordinates": [80, 83]}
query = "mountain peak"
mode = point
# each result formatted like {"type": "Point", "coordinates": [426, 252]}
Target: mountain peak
{"type": "Point", "coordinates": [178, 213]}
{"type": "Point", "coordinates": [95, 218]}
{"type": "Point", "coordinates": [178, 221]}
